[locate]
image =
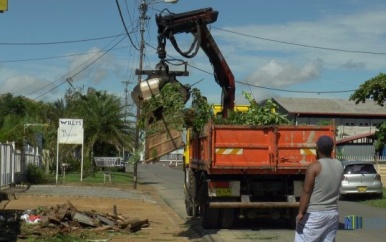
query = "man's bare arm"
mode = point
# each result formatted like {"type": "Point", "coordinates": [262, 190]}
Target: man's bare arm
{"type": "Point", "coordinates": [312, 171]}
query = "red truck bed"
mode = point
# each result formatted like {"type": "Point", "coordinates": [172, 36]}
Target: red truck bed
{"type": "Point", "coordinates": [233, 149]}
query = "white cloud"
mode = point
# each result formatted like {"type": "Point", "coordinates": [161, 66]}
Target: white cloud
{"type": "Point", "coordinates": [288, 42]}
{"type": "Point", "coordinates": [30, 86]}
{"type": "Point", "coordinates": [94, 67]}
{"type": "Point", "coordinates": [274, 74]}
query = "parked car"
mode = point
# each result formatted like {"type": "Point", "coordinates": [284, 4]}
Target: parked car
{"type": "Point", "coordinates": [360, 178]}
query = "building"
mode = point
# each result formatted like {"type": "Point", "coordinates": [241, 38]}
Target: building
{"type": "Point", "coordinates": [350, 118]}
{"type": "Point", "coordinates": [356, 123]}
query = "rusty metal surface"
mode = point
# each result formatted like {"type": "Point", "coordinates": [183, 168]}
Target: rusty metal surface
{"type": "Point", "coordinates": [254, 205]}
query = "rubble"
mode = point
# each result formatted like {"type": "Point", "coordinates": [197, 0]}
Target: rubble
{"type": "Point", "coordinates": [66, 218]}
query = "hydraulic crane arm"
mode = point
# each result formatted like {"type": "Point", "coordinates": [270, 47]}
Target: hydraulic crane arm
{"type": "Point", "coordinates": [196, 22]}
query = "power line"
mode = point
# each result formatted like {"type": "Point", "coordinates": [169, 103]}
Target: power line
{"type": "Point", "coordinates": [56, 57]}
{"type": "Point", "coordinates": [295, 91]}
{"type": "Point", "coordinates": [302, 45]}
{"type": "Point", "coordinates": [124, 25]}
{"type": "Point", "coordinates": [77, 73]}
{"type": "Point", "coordinates": [61, 42]}
{"type": "Point", "coordinates": [263, 87]}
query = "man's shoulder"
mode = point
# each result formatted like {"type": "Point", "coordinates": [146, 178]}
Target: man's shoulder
{"type": "Point", "coordinates": [315, 166]}
{"type": "Point", "coordinates": [332, 163]}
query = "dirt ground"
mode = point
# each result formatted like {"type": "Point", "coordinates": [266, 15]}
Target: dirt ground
{"type": "Point", "coordinates": [164, 223]}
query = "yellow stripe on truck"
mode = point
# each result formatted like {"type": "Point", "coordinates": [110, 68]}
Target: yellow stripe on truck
{"type": "Point", "coordinates": [229, 151]}
{"type": "Point", "coordinates": [308, 151]}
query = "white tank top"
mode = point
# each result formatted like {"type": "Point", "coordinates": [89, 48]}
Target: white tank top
{"type": "Point", "coordinates": [326, 188]}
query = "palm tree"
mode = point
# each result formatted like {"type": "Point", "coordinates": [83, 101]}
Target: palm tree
{"type": "Point", "coordinates": [104, 122]}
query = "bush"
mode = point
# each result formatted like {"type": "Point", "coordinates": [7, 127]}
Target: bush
{"type": "Point", "coordinates": [36, 175]}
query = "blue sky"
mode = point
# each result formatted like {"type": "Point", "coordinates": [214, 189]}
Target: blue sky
{"type": "Point", "coordinates": [298, 48]}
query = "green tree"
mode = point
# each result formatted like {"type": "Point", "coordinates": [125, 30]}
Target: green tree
{"type": "Point", "coordinates": [15, 112]}
{"type": "Point", "coordinates": [374, 89]}
{"type": "Point", "coordinates": [105, 128]}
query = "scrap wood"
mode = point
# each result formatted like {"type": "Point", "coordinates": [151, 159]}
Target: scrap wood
{"type": "Point", "coordinates": [62, 211]}
{"type": "Point", "coordinates": [72, 207]}
{"type": "Point", "coordinates": [105, 220]}
{"type": "Point", "coordinates": [52, 217]}
{"type": "Point", "coordinates": [118, 217]}
{"type": "Point", "coordinates": [84, 219]}
{"type": "Point", "coordinates": [134, 224]}
{"type": "Point", "coordinates": [115, 210]}
{"type": "Point", "coordinates": [65, 224]}
{"type": "Point", "coordinates": [67, 217]}
{"type": "Point", "coordinates": [106, 227]}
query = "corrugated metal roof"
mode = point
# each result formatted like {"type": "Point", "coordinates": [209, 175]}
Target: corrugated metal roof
{"type": "Point", "coordinates": [355, 137]}
{"type": "Point", "coordinates": [330, 106]}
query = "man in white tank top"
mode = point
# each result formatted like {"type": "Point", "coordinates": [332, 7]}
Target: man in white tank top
{"type": "Point", "coordinates": [318, 218]}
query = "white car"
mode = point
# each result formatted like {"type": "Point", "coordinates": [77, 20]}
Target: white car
{"type": "Point", "coordinates": [360, 178]}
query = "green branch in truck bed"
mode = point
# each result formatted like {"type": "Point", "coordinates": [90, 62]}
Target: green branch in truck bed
{"type": "Point", "coordinates": [164, 117]}
{"type": "Point", "coordinates": [167, 107]}
{"type": "Point", "coordinates": [257, 114]}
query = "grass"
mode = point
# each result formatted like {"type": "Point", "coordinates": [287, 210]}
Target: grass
{"type": "Point", "coordinates": [117, 178]}
{"type": "Point", "coordinates": [379, 203]}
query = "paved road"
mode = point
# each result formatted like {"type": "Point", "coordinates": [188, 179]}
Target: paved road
{"type": "Point", "coordinates": [169, 183]}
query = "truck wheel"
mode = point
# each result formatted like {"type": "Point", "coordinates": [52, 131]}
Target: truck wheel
{"type": "Point", "coordinates": [227, 217]}
{"type": "Point", "coordinates": [291, 221]}
{"type": "Point", "coordinates": [188, 205]}
{"type": "Point", "coordinates": [209, 216]}
{"type": "Point", "coordinates": [190, 190]}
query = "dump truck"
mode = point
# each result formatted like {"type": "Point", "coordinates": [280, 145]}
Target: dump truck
{"type": "Point", "coordinates": [236, 171]}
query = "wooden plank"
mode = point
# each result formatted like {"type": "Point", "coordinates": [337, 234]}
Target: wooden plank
{"type": "Point", "coordinates": [84, 219]}
{"type": "Point", "coordinates": [105, 220]}
{"type": "Point", "coordinates": [162, 143]}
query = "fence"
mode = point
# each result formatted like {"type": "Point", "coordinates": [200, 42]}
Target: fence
{"type": "Point", "coordinates": [12, 165]}
{"type": "Point", "coordinates": [172, 158]}
{"type": "Point", "coordinates": [378, 161]}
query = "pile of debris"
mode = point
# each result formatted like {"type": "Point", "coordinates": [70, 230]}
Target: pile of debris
{"type": "Point", "coordinates": [66, 217]}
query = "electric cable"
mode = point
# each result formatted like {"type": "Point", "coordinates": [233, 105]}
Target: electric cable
{"type": "Point", "coordinates": [77, 73]}
{"type": "Point", "coordinates": [124, 25]}
{"type": "Point", "coordinates": [302, 45]}
{"type": "Point", "coordinates": [295, 91]}
{"type": "Point", "coordinates": [56, 57]}
{"type": "Point", "coordinates": [61, 42]}
{"type": "Point", "coordinates": [262, 87]}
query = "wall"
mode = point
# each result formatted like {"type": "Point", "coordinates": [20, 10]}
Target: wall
{"type": "Point", "coordinates": [13, 163]}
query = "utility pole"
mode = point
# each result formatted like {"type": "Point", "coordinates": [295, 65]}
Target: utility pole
{"type": "Point", "coordinates": [126, 83]}
{"type": "Point", "coordinates": [143, 18]}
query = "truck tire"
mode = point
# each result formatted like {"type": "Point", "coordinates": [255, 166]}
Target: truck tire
{"type": "Point", "coordinates": [188, 205]}
{"type": "Point", "coordinates": [190, 190]}
{"type": "Point", "coordinates": [227, 218]}
{"type": "Point", "coordinates": [291, 221]}
{"type": "Point", "coordinates": [209, 216]}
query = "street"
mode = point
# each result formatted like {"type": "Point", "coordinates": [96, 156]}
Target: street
{"type": "Point", "coordinates": [169, 184]}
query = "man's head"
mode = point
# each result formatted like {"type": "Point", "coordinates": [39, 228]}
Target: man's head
{"type": "Point", "coordinates": [324, 146]}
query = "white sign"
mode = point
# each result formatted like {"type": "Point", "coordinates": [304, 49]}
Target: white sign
{"type": "Point", "coordinates": [70, 131]}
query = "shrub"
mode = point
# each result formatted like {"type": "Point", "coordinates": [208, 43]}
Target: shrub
{"type": "Point", "coordinates": [36, 174]}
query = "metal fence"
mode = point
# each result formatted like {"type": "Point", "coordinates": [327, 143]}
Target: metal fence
{"type": "Point", "coordinates": [371, 158]}
{"type": "Point", "coordinates": [175, 158]}
{"type": "Point", "coordinates": [13, 163]}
